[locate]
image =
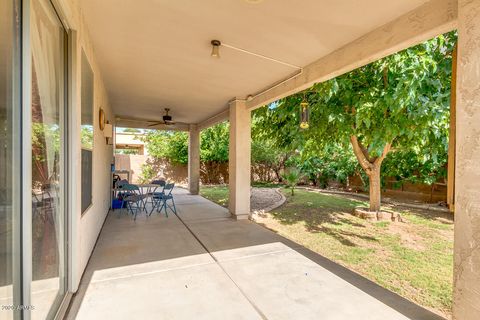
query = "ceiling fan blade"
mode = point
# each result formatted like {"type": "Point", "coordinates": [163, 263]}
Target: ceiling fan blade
{"type": "Point", "coordinates": [156, 123]}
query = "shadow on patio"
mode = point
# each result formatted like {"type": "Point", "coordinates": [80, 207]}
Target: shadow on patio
{"type": "Point", "coordinates": [205, 265]}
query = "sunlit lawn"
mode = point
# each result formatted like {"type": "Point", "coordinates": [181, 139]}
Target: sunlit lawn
{"type": "Point", "coordinates": [413, 258]}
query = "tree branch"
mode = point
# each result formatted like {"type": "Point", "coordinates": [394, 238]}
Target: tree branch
{"type": "Point", "coordinates": [365, 152]}
{"type": "Point", "coordinates": [385, 77]}
{"type": "Point", "coordinates": [362, 159]}
{"type": "Point", "coordinates": [385, 151]}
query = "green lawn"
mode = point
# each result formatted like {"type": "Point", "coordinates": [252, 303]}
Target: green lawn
{"type": "Point", "coordinates": [413, 258]}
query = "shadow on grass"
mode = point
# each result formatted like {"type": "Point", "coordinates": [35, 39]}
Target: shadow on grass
{"type": "Point", "coordinates": [326, 217]}
{"type": "Point", "coordinates": [445, 218]}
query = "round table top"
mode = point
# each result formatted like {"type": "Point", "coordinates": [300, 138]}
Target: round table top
{"type": "Point", "coordinates": [147, 185]}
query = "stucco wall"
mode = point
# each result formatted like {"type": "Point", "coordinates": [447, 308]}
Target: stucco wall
{"type": "Point", "coordinates": [466, 304]}
{"type": "Point", "coordinates": [164, 169]}
{"type": "Point", "coordinates": [92, 219]}
{"type": "Point", "coordinates": [86, 227]}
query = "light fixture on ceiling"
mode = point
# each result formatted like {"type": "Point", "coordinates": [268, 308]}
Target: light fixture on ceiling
{"type": "Point", "coordinates": [216, 53]}
{"type": "Point", "coordinates": [215, 48]}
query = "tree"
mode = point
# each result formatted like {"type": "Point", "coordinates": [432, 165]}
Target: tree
{"type": "Point", "coordinates": [274, 140]}
{"type": "Point", "coordinates": [171, 145]}
{"type": "Point", "coordinates": [214, 143]}
{"type": "Point", "coordinates": [331, 161]}
{"type": "Point", "coordinates": [132, 130]}
{"type": "Point", "coordinates": [398, 103]}
{"type": "Point", "coordinates": [214, 152]}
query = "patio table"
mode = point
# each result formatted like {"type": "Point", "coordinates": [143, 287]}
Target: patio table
{"type": "Point", "coordinates": [150, 189]}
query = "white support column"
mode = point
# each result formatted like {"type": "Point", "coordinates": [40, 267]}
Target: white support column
{"type": "Point", "coordinates": [194, 159]}
{"type": "Point", "coordinates": [239, 160]}
{"type": "Point", "coordinates": [466, 304]}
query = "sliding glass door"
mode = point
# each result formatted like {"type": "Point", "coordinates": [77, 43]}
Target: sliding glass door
{"type": "Point", "coordinates": [10, 170]}
{"type": "Point", "coordinates": [32, 160]}
{"type": "Point", "coordinates": [48, 113]}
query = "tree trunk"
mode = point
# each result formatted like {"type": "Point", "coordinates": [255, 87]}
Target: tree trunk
{"type": "Point", "coordinates": [277, 173]}
{"type": "Point", "coordinates": [372, 168]}
{"type": "Point", "coordinates": [375, 188]}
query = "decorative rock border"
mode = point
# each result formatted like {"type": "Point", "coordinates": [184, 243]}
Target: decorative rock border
{"type": "Point", "coordinates": [272, 206]}
{"type": "Point", "coordinates": [366, 214]}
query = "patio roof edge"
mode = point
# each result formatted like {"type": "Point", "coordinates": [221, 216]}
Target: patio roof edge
{"type": "Point", "coordinates": [427, 21]}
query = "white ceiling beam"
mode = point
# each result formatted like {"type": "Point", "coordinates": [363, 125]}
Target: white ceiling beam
{"type": "Point", "coordinates": [427, 21]}
{"type": "Point", "coordinates": [219, 117]}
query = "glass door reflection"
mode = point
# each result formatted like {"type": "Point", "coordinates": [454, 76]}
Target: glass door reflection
{"type": "Point", "coordinates": [48, 167]}
{"type": "Point", "coordinates": [10, 163]}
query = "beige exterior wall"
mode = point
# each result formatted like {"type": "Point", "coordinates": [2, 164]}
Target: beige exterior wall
{"type": "Point", "coordinates": [467, 170]}
{"type": "Point", "coordinates": [86, 227]}
{"type": "Point", "coordinates": [131, 162]}
{"type": "Point", "coordinates": [163, 169]}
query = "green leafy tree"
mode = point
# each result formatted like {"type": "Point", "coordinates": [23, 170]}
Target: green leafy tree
{"type": "Point", "coordinates": [401, 101]}
{"type": "Point", "coordinates": [171, 145]}
{"type": "Point", "coordinates": [267, 155]}
{"type": "Point", "coordinates": [214, 143]}
{"type": "Point", "coordinates": [272, 146]}
{"type": "Point", "coordinates": [330, 161]}
{"type": "Point", "coordinates": [132, 130]}
{"type": "Point", "coordinates": [87, 137]}
{"type": "Point", "coordinates": [398, 103]}
{"type": "Point", "coordinates": [147, 173]}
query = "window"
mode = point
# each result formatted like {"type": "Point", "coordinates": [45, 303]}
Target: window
{"type": "Point", "coordinates": [87, 133]}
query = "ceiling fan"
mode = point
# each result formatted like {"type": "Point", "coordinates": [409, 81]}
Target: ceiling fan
{"type": "Point", "coordinates": [167, 120]}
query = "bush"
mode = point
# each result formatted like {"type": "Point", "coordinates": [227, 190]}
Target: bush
{"type": "Point", "coordinates": [292, 176]}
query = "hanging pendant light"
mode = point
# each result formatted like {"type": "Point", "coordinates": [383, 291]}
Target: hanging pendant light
{"type": "Point", "coordinates": [304, 113]}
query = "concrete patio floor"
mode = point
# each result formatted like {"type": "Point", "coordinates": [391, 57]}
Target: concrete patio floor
{"type": "Point", "coordinates": [205, 265]}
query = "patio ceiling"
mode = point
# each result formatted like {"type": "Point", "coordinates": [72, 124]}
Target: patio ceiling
{"type": "Point", "coordinates": [155, 54]}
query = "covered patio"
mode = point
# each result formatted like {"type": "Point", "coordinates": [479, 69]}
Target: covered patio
{"type": "Point", "coordinates": [123, 64]}
{"type": "Point", "coordinates": [202, 264]}
{"type": "Point", "coordinates": [157, 55]}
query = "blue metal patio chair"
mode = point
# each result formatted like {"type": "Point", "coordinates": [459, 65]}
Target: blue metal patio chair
{"type": "Point", "coordinates": [118, 186]}
{"type": "Point", "coordinates": [119, 192]}
{"type": "Point", "coordinates": [133, 198]}
{"type": "Point", "coordinates": [156, 195]}
{"type": "Point", "coordinates": [161, 183]}
{"type": "Point", "coordinates": [163, 200]}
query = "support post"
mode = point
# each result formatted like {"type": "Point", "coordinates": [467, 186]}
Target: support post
{"type": "Point", "coordinates": [466, 293]}
{"type": "Point", "coordinates": [239, 160]}
{"type": "Point", "coordinates": [194, 159]}
{"type": "Point", "coordinates": [451, 136]}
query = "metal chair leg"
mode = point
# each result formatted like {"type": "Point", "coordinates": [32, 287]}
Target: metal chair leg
{"type": "Point", "coordinates": [174, 207]}
{"type": "Point", "coordinates": [161, 207]}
